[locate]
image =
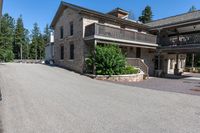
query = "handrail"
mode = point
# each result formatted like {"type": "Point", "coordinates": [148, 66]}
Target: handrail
{"type": "Point", "coordinates": [118, 33]}
{"type": "Point", "coordinates": [137, 62]}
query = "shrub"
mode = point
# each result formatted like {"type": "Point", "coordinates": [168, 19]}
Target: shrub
{"type": "Point", "coordinates": [109, 60]}
{"type": "Point", "coordinates": [130, 70]}
{"type": "Point", "coordinates": [6, 55]}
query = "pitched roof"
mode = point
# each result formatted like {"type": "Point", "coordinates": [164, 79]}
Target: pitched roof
{"type": "Point", "coordinates": [109, 17]}
{"type": "Point", "coordinates": [118, 9]}
{"type": "Point", "coordinates": [178, 19]}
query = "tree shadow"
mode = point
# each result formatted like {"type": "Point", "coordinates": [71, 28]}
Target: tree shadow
{"type": "Point", "coordinates": [1, 126]}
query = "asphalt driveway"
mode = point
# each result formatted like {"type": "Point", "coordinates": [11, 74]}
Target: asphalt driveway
{"type": "Point", "coordinates": [189, 84]}
{"type": "Point", "coordinates": [43, 99]}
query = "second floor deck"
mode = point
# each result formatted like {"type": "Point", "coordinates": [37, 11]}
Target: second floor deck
{"type": "Point", "coordinates": [101, 31]}
{"type": "Point", "coordinates": [181, 40]}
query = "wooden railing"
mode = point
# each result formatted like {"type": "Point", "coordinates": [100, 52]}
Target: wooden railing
{"type": "Point", "coordinates": [181, 40]}
{"type": "Point", "coordinates": [137, 62]}
{"type": "Point", "coordinates": [118, 33]}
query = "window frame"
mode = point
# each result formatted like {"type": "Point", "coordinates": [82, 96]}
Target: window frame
{"type": "Point", "coordinates": [71, 28]}
{"type": "Point", "coordinates": [71, 51]}
{"type": "Point", "coordinates": [62, 52]}
{"type": "Point", "coordinates": [61, 32]}
{"type": "Point", "coordinates": [138, 52]}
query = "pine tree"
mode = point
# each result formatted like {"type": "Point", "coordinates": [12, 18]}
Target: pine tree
{"type": "Point", "coordinates": [26, 46]}
{"type": "Point", "coordinates": [46, 35]}
{"type": "Point", "coordinates": [41, 47]}
{"type": "Point", "coordinates": [147, 15]}
{"type": "Point", "coordinates": [37, 47]}
{"type": "Point", "coordinates": [192, 9]}
{"type": "Point", "coordinates": [20, 39]}
{"type": "Point", "coordinates": [6, 38]}
{"type": "Point", "coordinates": [34, 42]}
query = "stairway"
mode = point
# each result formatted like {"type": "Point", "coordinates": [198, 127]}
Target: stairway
{"type": "Point", "coordinates": [139, 63]}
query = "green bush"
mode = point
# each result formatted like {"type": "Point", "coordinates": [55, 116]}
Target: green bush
{"type": "Point", "coordinates": [130, 70]}
{"type": "Point", "coordinates": [6, 55]}
{"type": "Point", "coordinates": [109, 60]}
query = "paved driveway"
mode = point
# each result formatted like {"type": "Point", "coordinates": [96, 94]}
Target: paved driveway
{"type": "Point", "coordinates": [43, 99]}
{"type": "Point", "coordinates": [188, 84]}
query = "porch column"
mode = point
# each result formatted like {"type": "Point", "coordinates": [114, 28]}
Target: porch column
{"type": "Point", "coordinates": [94, 52]}
{"type": "Point", "coordinates": [193, 60]}
{"type": "Point", "coordinates": [159, 61]}
{"type": "Point", "coordinates": [176, 70]}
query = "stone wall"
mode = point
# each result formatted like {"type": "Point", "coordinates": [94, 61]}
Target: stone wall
{"type": "Point", "coordinates": [81, 48]}
{"type": "Point", "coordinates": [122, 78]}
{"type": "Point", "coordinates": [68, 16]}
{"type": "Point", "coordinates": [171, 58]}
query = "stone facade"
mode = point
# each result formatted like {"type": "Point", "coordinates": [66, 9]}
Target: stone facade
{"type": "Point", "coordinates": [81, 48]}
{"type": "Point", "coordinates": [67, 17]}
{"type": "Point", "coordinates": [122, 78]}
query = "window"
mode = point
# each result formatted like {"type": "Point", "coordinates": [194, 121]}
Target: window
{"type": "Point", "coordinates": [171, 63]}
{"type": "Point", "coordinates": [61, 32]}
{"type": "Point", "coordinates": [71, 29]}
{"type": "Point", "coordinates": [62, 52]}
{"type": "Point", "coordinates": [138, 52]}
{"type": "Point", "coordinates": [101, 21]}
{"type": "Point", "coordinates": [71, 51]}
{"type": "Point", "coordinates": [123, 26]}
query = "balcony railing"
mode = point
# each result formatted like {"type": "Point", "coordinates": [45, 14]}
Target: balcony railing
{"type": "Point", "coordinates": [118, 33]}
{"type": "Point", "coordinates": [182, 40]}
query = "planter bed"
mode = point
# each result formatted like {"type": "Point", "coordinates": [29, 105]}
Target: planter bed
{"type": "Point", "coordinates": [120, 78]}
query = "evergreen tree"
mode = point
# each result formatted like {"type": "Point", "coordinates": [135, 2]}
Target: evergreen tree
{"type": "Point", "coordinates": [192, 9]}
{"type": "Point", "coordinates": [147, 15]}
{"type": "Point", "coordinates": [34, 42]}
{"type": "Point", "coordinates": [41, 47]}
{"type": "Point", "coordinates": [37, 47]}
{"type": "Point", "coordinates": [20, 43]}
{"type": "Point", "coordinates": [6, 38]}
{"type": "Point", "coordinates": [46, 35]}
{"type": "Point", "coordinates": [26, 46]}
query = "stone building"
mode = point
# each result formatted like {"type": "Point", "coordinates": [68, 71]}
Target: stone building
{"type": "Point", "coordinates": [151, 47]}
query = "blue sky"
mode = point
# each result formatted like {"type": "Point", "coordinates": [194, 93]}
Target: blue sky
{"type": "Point", "coordinates": [42, 11]}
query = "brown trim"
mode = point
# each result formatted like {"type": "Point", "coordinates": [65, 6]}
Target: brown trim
{"type": "Point", "coordinates": [93, 13]}
{"type": "Point", "coordinates": [177, 25]}
{"type": "Point", "coordinates": [185, 33]}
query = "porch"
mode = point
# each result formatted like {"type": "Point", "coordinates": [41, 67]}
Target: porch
{"type": "Point", "coordinates": [175, 42]}
{"type": "Point", "coordinates": [139, 48]}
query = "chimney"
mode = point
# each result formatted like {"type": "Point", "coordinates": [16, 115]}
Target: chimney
{"type": "Point", "coordinates": [51, 37]}
{"type": "Point", "coordinates": [120, 13]}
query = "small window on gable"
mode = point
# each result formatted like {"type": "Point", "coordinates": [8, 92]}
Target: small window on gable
{"type": "Point", "coordinates": [71, 28]}
{"type": "Point", "coordinates": [61, 32]}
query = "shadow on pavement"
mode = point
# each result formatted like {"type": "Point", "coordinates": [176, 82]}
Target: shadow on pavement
{"type": "Point", "coordinates": [1, 127]}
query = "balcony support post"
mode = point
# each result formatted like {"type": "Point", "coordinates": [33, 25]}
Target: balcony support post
{"type": "Point", "coordinates": [176, 70]}
{"type": "Point", "coordinates": [159, 61]}
{"type": "Point", "coordinates": [94, 54]}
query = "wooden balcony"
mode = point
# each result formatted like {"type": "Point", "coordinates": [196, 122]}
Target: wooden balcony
{"type": "Point", "coordinates": [181, 40]}
{"type": "Point", "coordinates": [185, 43]}
{"type": "Point", "coordinates": [108, 32]}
